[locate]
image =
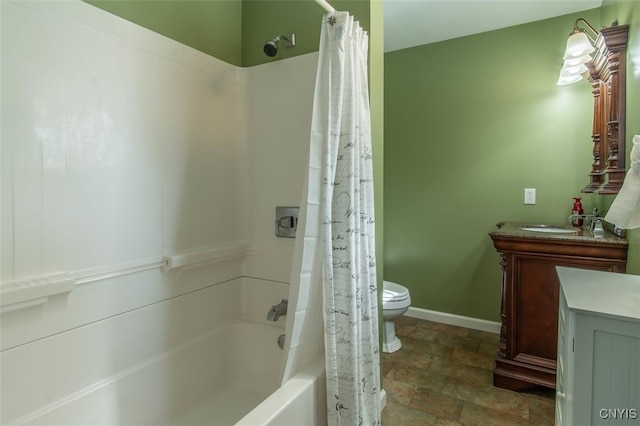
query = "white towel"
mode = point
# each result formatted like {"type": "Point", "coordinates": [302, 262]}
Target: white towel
{"type": "Point", "coordinates": [625, 210]}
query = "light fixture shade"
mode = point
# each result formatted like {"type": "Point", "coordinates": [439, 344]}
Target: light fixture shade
{"type": "Point", "coordinates": [571, 74]}
{"type": "Point", "coordinates": [577, 61]}
{"type": "Point", "coordinates": [578, 45]}
{"type": "Point", "coordinates": [566, 79]}
{"type": "Point", "coordinates": [575, 69]}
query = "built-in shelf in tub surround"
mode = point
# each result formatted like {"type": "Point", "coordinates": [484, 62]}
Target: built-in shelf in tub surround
{"type": "Point", "coordinates": [33, 291]}
{"type": "Point", "coordinates": [529, 312]}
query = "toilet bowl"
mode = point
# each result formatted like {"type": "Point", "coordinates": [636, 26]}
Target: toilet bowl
{"type": "Point", "coordinates": [395, 302]}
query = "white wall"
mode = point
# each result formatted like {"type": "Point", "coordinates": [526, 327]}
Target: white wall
{"type": "Point", "coordinates": [120, 147]}
{"type": "Point", "coordinates": [279, 107]}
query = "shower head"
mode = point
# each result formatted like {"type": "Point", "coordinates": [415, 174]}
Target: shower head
{"type": "Point", "coordinates": [271, 47]}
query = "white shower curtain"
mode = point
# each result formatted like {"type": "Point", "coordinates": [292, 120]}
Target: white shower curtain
{"type": "Point", "coordinates": [335, 251]}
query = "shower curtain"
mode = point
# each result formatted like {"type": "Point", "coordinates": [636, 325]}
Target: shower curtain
{"type": "Point", "coordinates": [334, 258]}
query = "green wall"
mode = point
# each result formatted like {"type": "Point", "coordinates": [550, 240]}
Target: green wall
{"type": "Point", "coordinates": [211, 26]}
{"type": "Point", "coordinates": [470, 123]}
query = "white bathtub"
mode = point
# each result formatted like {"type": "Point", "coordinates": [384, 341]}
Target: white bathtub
{"type": "Point", "coordinates": [300, 401]}
{"type": "Point", "coordinates": [208, 357]}
{"type": "Point", "coordinates": [246, 359]}
{"type": "Point", "coordinates": [248, 373]}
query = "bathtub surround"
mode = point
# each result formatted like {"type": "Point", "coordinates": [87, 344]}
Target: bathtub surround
{"type": "Point", "coordinates": [158, 365]}
{"type": "Point", "coordinates": [110, 136]}
{"type": "Point", "coordinates": [128, 166]}
{"type": "Point", "coordinates": [338, 243]}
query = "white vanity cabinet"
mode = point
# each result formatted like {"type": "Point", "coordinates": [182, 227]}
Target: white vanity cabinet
{"type": "Point", "coordinates": [598, 365]}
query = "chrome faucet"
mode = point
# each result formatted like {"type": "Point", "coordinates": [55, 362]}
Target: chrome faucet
{"type": "Point", "coordinates": [278, 310]}
{"type": "Point", "coordinates": [584, 216]}
{"type": "Point", "coordinates": [595, 221]}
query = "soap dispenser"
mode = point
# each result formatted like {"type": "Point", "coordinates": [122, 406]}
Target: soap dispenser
{"type": "Point", "coordinates": [577, 210]}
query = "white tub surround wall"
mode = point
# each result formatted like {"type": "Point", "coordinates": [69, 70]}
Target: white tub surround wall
{"type": "Point", "coordinates": [279, 99]}
{"type": "Point", "coordinates": [35, 291]}
{"type": "Point", "coordinates": [122, 152]}
{"type": "Point", "coordinates": [119, 146]}
{"type": "Point", "coordinates": [204, 255]}
{"type": "Point", "coordinates": [155, 365]}
{"type": "Point", "coordinates": [136, 205]}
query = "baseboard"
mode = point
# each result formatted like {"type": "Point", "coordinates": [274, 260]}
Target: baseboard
{"type": "Point", "coordinates": [383, 400]}
{"type": "Point", "coordinates": [453, 319]}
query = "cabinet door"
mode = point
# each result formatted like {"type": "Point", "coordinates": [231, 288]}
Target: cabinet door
{"type": "Point", "coordinates": [607, 371]}
{"type": "Point", "coordinates": [534, 319]}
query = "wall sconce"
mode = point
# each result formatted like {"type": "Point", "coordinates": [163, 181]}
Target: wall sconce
{"type": "Point", "coordinates": [577, 53]}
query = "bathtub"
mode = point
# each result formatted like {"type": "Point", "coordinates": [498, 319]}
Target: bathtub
{"type": "Point", "coordinates": [299, 401]}
{"type": "Point", "coordinates": [208, 357]}
{"type": "Point", "coordinates": [247, 362]}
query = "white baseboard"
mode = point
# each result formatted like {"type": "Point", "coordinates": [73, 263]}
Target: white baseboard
{"type": "Point", "coordinates": [453, 319]}
{"type": "Point", "coordinates": [383, 399]}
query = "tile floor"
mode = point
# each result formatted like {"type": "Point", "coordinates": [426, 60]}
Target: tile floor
{"type": "Point", "coordinates": [442, 375]}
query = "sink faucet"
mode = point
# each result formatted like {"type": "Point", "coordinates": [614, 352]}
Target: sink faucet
{"type": "Point", "coordinates": [595, 224]}
{"type": "Point", "coordinates": [584, 216]}
{"type": "Point", "coordinates": [278, 310]}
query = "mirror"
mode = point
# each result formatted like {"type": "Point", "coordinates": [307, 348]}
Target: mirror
{"type": "Point", "coordinates": [607, 74]}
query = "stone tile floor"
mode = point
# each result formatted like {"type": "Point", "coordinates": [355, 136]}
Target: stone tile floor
{"type": "Point", "coordinates": [442, 375]}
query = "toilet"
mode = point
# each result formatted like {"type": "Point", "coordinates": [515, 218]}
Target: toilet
{"type": "Point", "coordinates": [395, 302]}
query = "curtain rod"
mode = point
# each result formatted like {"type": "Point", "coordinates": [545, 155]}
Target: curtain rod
{"type": "Point", "coordinates": [326, 6]}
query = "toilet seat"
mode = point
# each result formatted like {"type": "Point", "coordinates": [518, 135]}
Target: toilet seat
{"type": "Point", "coordinates": [392, 292]}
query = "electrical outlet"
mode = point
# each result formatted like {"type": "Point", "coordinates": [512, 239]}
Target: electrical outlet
{"type": "Point", "coordinates": [529, 195]}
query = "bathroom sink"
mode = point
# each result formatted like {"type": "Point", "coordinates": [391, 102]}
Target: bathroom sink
{"type": "Point", "coordinates": [549, 229]}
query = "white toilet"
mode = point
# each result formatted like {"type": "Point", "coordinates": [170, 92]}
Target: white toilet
{"type": "Point", "coordinates": [395, 302]}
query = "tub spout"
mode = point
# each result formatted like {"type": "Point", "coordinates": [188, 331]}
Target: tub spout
{"type": "Point", "coordinates": [278, 310]}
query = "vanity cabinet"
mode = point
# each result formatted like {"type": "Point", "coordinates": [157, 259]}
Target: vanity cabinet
{"type": "Point", "coordinates": [530, 295]}
{"type": "Point", "coordinates": [598, 375]}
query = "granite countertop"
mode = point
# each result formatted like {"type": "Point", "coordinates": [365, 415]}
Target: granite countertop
{"type": "Point", "coordinates": [581, 234]}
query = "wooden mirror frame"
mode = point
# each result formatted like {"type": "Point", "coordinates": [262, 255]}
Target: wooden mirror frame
{"type": "Point", "coordinates": [607, 74]}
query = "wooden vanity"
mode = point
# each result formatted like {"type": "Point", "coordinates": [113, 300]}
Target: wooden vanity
{"type": "Point", "coordinates": [530, 294]}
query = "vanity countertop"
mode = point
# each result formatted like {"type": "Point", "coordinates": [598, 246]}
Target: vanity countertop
{"type": "Point", "coordinates": [514, 230]}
